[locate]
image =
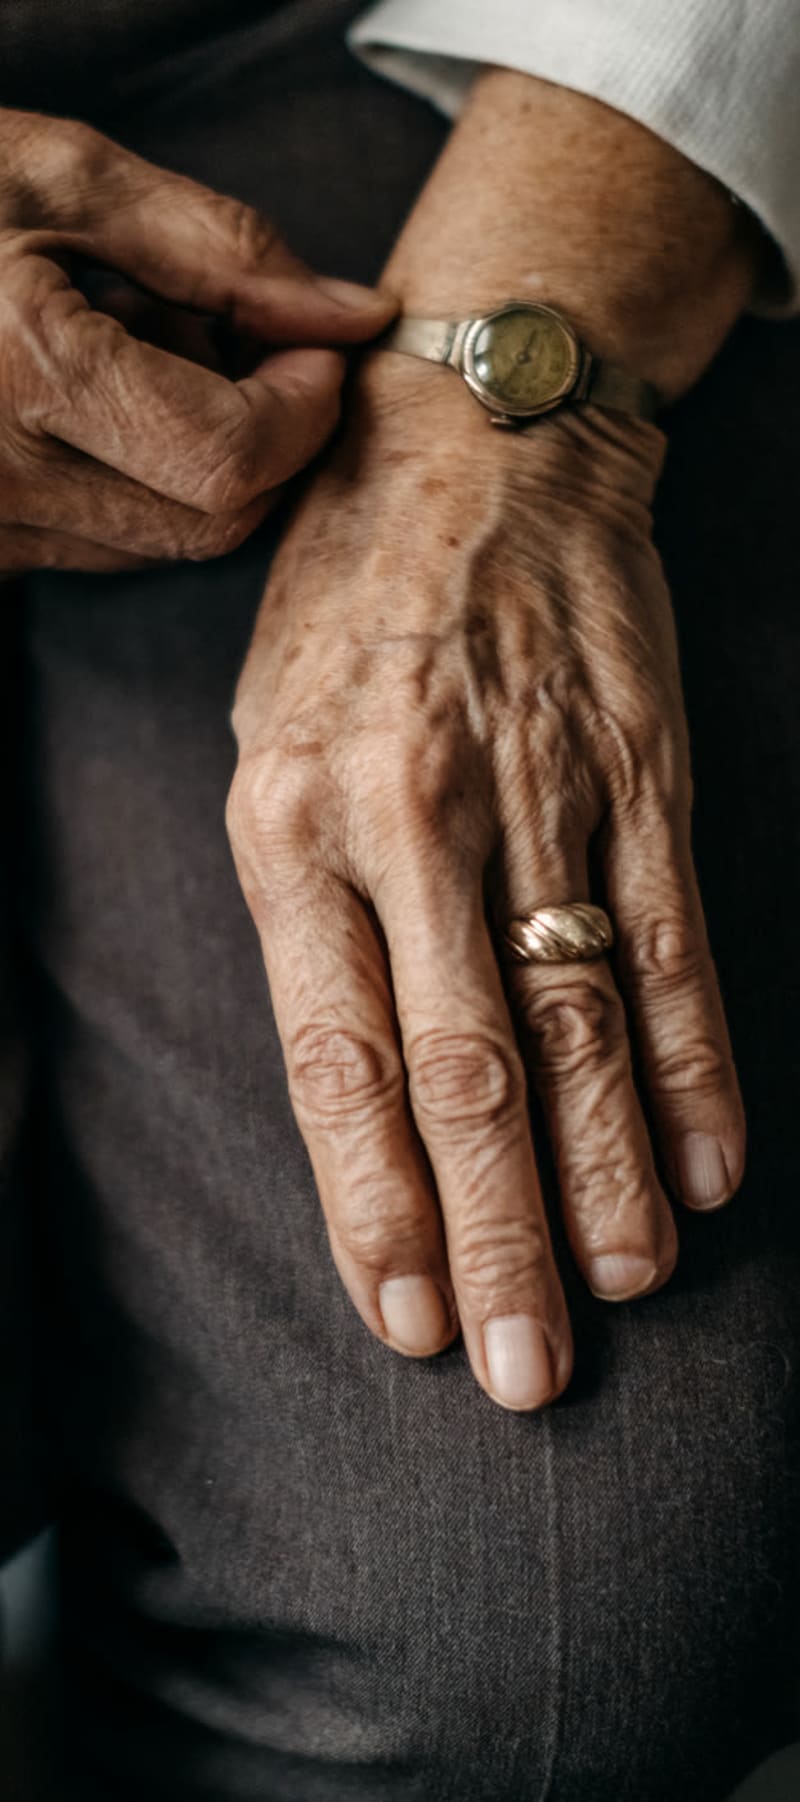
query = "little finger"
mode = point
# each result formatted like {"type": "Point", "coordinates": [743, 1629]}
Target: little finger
{"type": "Point", "coordinates": [671, 986]}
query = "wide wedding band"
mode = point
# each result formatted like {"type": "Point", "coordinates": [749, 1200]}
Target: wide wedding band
{"type": "Point", "coordinates": [572, 933]}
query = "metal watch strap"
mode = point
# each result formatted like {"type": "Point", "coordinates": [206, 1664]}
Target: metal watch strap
{"type": "Point", "coordinates": [607, 386]}
{"type": "Point", "coordinates": [433, 339]}
{"type": "Point", "coordinates": [440, 341]}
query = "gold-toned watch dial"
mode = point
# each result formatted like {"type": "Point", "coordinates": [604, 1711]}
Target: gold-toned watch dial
{"type": "Point", "coordinates": [524, 357]}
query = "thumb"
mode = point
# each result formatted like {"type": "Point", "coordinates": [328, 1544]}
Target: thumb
{"type": "Point", "coordinates": [201, 249]}
{"type": "Point", "coordinates": [296, 396]}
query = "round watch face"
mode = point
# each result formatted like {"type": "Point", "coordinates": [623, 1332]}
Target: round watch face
{"type": "Point", "coordinates": [524, 358]}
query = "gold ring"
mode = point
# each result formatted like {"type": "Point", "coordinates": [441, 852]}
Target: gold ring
{"type": "Point", "coordinates": [570, 933]}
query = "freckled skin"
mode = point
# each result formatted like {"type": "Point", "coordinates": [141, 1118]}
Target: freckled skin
{"type": "Point", "coordinates": [469, 742]}
{"type": "Point", "coordinates": [489, 675]}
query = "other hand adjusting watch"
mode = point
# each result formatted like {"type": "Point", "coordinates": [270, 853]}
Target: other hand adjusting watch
{"type": "Point", "coordinates": [522, 360]}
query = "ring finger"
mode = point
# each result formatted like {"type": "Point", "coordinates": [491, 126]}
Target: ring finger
{"type": "Point", "coordinates": [618, 1220]}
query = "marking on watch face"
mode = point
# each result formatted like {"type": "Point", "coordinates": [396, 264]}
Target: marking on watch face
{"type": "Point", "coordinates": [523, 357]}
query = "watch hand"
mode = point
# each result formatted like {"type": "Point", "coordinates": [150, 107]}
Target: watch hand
{"type": "Point", "coordinates": [524, 356]}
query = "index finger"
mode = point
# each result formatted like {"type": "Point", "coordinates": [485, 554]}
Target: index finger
{"type": "Point", "coordinates": [183, 431]}
{"type": "Point", "coordinates": [333, 1009]}
{"type": "Point", "coordinates": [184, 241]}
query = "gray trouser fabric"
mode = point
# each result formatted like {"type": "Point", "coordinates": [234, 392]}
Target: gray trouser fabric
{"type": "Point", "coordinates": [293, 1564]}
{"type": "Point", "coordinates": [22, 1498]}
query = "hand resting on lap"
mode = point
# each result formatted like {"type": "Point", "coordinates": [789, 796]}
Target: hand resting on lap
{"type": "Point", "coordinates": [463, 702]}
{"type": "Point", "coordinates": [464, 675]}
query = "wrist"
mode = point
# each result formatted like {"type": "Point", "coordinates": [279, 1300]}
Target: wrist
{"type": "Point", "coordinates": [416, 423]}
{"type": "Point", "coordinates": [660, 322]}
{"type": "Point", "coordinates": [647, 256]}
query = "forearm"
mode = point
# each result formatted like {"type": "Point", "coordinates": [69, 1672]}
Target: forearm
{"type": "Point", "coordinates": [543, 192]}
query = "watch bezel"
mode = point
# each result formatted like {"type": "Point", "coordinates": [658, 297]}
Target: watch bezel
{"type": "Point", "coordinates": [508, 408]}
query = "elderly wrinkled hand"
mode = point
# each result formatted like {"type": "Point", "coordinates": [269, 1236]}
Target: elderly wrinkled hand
{"type": "Point", "coordinates": [463, 697]}
{"type": "Point", "coordinates": [113, 449]}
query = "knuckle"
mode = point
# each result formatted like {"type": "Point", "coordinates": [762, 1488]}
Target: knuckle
{"type": "Point", "coordinates": [97, 352]}
{"type": "Point", "coordinates": [82, 359]}
{"type": "Point", "coordinates": [494, 1258]}
{"type": "Point", "coordinates": [439, 787]}
{"type": "Point", "coordinates": [250, 797]}
{"type": "Point", "coordinates": [665, 951]}
{"type": "Point", "coordinates": [70, 156]}
{"type": "Point", "coordinates": [609, 1186]}
{"type": "Point", "coordinates": [37, 373]}
{"type": "Point", "coordinates": [269, 810]}
{"type": "Point", "coordinates": [53, 170]}
{"type": "Point", "coordinates": [336, 1075]}
{"type": "Point", "coordinates": [646, 758]}
{"type": "Point", "coordinates": [377, 1231]}
{"type": "Point", "coordinates": [63, 166]}
{"type": "Point", "coordinates": [462, 1081]}
{"type": "Point", "coordinates": [224, 534]}
{"type": "Point", "coordinates": [431, 777]}
{"type": "Point", "coordinates": [248, 236]}
{"type": "Point", "coordinates": [697, 1068]}
{"type": "Point", "coordinates": [573, 1026]}
{"type": "Point", "coordinates": [80, 146]}
{"type": "Point", "coordinates": [232, 479]}
{"type": "Point", "coordinates": [239, 805]}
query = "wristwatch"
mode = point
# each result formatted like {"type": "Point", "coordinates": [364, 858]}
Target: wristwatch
{"type": "Point", "coordinates": [522, 360]}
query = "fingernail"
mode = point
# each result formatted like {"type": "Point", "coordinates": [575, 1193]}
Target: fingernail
{"type": "Point", "coordinates": [701, 1171]}
{"type": "Point", "coordinates": [617, 1275]}
{"type": "Point", "coordinates": [353, 296]}
{"type": "Point", "coordinates": [517, 1353]}
{"type": "Point", "coordinates": [414, 1314]}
